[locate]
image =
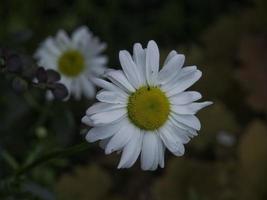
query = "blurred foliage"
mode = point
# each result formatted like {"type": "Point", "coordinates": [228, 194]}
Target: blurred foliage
{"type": "Point", "coordinates": [253, 161]}
{"type": "Point", "coordinates": [226, 39]}
{"type": "Point", "coordinates": [196, 180]}
{"type": "Point", "coordinates": [211, 128]}
{"type": "Point", "coordinates": [243, 178]}
{"type": "Point", "coordinates": [253, 74]}
{"type": "Point", "coordinates": [78, 186]}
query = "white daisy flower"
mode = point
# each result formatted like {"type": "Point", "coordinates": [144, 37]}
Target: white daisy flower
{"type": "Point", "coordinates": [76, 58]}
{"type": "Point", "coordinates": [143, 109]}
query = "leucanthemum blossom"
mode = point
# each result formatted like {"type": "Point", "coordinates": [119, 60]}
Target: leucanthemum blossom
{"type": "Point", "coordinates": [144, 109]}
{"type": "Point", "coordinates": [77, 58]}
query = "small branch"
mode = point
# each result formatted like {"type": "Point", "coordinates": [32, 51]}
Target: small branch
{"type": "Point", "coordinates": [55, 154]}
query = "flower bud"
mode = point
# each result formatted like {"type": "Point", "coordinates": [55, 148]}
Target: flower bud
{"type": "Point", "coordinates": [41, 75]}
{"type": "Point", "coordinates": [52, 76]}
{"type": "Point", "coordinates": [59, 91]}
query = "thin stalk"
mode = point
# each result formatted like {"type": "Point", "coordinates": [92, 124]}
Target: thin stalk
{"type": "Point", "coordinates": [55, 154]}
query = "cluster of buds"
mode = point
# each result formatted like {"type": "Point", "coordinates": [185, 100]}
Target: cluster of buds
{"type": "Point", "coordinates": [25, 74]}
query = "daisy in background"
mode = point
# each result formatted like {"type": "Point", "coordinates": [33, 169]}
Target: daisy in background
{"type": "Point", "coordinates": [144, 109]}
{"type": "Point", "coordinates": [77, 58]}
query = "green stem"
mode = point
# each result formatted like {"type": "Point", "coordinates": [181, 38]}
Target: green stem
{"type": "Point", "coordinates": [55, 154]}
{"type": "Point", "coordinates": [10, 160]}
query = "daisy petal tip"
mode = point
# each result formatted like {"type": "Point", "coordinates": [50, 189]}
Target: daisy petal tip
{"type": "Point", "coordinates": [179, 153]}
{"type": "Point", "coordinates": [199, 73]}
{"type": "Point", "coordinates": [121, 166]}
{"type": "Point", "coordinates": [162, 165]}
{"type": "Point", "coordinates": [89, 138]}
{"type": "Point", "coordinates": [86, 120]}
{"type": "Point", "coordinates": [152, 45]}
{"type": "Point", "coordinates": [122, 53]}
{"type": "Point", "coordinates": [108, 151]}
{"type": "Point", "coordinates": [137, 46]}
{"type": "Point", "coordinates": [198, 127]}
{"type": "Point", "coordinates": [97, 81]}
{"type": "Point", "coordinates": [208, 103]}
{"type": "Point", "coordinates": [181, 57]}
{"type": "Point", "coordinates": [107, 71]}
{"type": "Point", "coordinates": [152, 42]}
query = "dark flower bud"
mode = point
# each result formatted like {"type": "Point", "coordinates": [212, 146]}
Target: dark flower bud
{"type": "Point", "coordinates": [41, 75]}
{"type": "Point", "coordinates": [52, 76]}
{"type": "Point", "coordinates": [59, 91]}
{"type": "Point", "coordinates": [14, 63]}
{"type": "Point", "coordinates": [19, 85]}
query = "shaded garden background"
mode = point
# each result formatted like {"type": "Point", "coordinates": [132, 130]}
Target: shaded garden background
{"type": "Point", "coordinates": [226, 39]}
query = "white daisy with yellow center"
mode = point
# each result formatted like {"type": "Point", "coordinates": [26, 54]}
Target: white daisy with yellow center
{"type": "Point", "coordinates": [77, 58]}
{"type": "Point", "coordinates": [143, 109]}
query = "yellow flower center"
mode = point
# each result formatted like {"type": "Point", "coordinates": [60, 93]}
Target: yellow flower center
{"type": "Point", "coordinates": [148, 108]}
{"type": "Point", "coordinates": [71, 63]}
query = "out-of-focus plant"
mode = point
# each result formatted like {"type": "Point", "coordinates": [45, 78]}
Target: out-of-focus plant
{"type": "Point", "coordinates": [196, 180]}
{"type": "Point", "coordinates": [85, 181]}
{"type": "Point", "coordinates": [253, 162]}
{"type": "Point", "coordinates": [25, 74]}
{"type": "Point", "coordinates": [253, 71]}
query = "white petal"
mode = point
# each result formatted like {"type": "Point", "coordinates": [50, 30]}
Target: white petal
{"type": "Point", "coordinates": [129, 68]}
{"type": "Point", "coordinates": [189, 109]}
{"type": "Point", "coordinates": [63, 40]}
{"type": "Point", "coordinates": [81, 37]}
{"type": "Point", "coordinates": [172, 142]}
{"type": "Point", "coordinates": [183, 72]}
{"type": "Point", "coordinates": [191, 131]}
{"type": "Point", "coordinates": [103, 132]}
{"type": "Point", "coordinates": [95, 67]}
{"type": "Point", "coordinates": [184, 83]}
{"type": "Point", "coordinates": [103, 107]}
{"type": "Point", "coordinates": [161, 153]}
{"type": "Point", "coordinates": [46, 59]}
{"type": "Point", "coordinates": [111, 97]}
{"type": "Point", "coordinates": [189, 120]}
{"type": "Point", "coordinates": [86, 120]}
{"type": "Point", "coordinates": [152, 63]}
{"type": "Point", "coordinates": [183, 135]}
{"type": "Point", "coordinates": [170, 55]}
{"type": "Point", "coordinates": [171, 68]}
{"type": "Point", "coordinates": [120, 139]}
{"type": "Point", "coordinates": [87, 87]}
{"type": "Point", "coordinates": [76, 88]}
{"type": "Point", "coordinates": [107, 85]}
{"type": "Point", "coordinates": [149, 154]}
{"type": "Point", "coordinates": [139, 57]}
{"type": "Point", "coordinates": [187, 70]}
{"type": "Point", "coordinates": [156, 157]}
{"type": "Point", "coordinates": [132, 150]}
{"type": "Point", "coordinates": [112, 116]}
{"type": "Point", "coordinates": [95, 45]}
{"type": "Point", "coordinates": [119, 79]}
{"type": "Point", "coordinates": [185, 98]}
{"type": "Point", "coordinates": [50, 45]}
